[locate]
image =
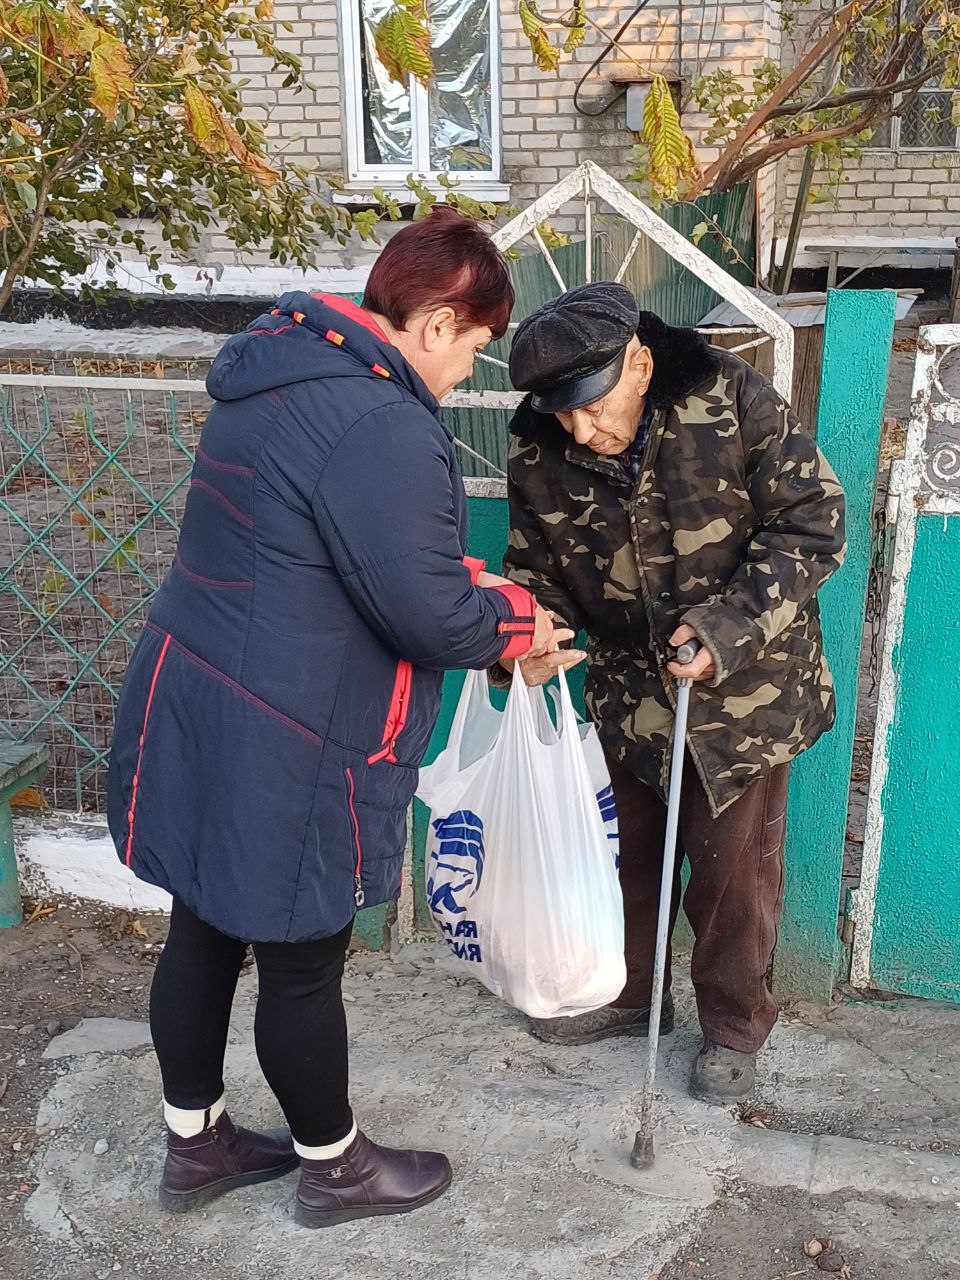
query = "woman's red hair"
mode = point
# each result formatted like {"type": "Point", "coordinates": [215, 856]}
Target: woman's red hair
{"type": "Point", "coordinates": [443, 260]}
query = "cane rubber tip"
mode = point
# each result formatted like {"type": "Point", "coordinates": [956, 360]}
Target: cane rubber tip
{"type": "Point", "coordinates": [642, 1156]}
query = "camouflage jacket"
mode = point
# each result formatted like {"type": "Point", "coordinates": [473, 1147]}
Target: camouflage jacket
{"type": "Point", "coordinates": [734, 523]}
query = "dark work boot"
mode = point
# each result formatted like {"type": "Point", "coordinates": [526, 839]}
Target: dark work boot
{"type": "Point", "coordinates": [602, 1024]}
{"type": "Point", "coordinates": [722, 1076]}
{"type": "Point", "coordinates": [368, 1181]}
{"type": "Point", "coordinates": [221, 1159]}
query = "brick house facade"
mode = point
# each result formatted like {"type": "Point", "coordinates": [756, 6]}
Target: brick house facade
{"type": "Point", "coordinates": [538, 133]}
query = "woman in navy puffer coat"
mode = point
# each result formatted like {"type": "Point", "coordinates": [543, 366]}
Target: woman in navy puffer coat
{"type": "Point", "coordinates": [284, 690]}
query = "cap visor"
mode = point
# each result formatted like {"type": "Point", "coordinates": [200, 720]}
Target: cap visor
{"type": "Point", "coordinates": [578, 392]}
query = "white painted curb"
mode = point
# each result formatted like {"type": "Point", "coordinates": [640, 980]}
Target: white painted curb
{"type": "Point", "coordinates": [74, 857]}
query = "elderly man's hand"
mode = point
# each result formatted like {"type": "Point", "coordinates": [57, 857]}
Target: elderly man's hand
{"type": "Point", "coordinates": [701, 668]}
{"type": "Point", "coordinates": [545, 658]}
{"type": "Point", "coordinates": [538, 670]}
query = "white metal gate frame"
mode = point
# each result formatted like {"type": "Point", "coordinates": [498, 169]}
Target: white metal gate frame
{"type": "Point", "coordinates": [590, 184]}
{"type": "Point", "coordinates": [920, 484]}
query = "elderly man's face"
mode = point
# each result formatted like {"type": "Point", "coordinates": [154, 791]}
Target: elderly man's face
{"type": "Point", "coordinates": [609, 426]}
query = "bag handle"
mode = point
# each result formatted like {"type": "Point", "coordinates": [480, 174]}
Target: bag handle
{"type": "Point", "coordinates": [476, 690]}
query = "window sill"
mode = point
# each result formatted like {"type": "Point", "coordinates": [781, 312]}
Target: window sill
{"type": "Point", "coordinates": [360, 191]}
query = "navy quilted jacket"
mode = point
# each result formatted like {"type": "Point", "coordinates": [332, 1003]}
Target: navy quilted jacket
{"type": "Point", "coordinates": [283, 692]}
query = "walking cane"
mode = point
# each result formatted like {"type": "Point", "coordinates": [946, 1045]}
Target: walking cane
{"type": "Point", "coordinates": [642, 1155]}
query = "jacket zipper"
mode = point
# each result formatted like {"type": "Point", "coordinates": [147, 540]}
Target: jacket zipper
{"type": "Point", "coordinates": [358, 894]}
{"type": "Point", "coordinates": [396, 715]}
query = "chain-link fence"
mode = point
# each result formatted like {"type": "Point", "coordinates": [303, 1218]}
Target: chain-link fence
{"type": "Point", "coordinates": [93, 475]}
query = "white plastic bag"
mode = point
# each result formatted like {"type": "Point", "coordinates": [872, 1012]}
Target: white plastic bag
{"type": "Point", "coordinates": [521, 859]}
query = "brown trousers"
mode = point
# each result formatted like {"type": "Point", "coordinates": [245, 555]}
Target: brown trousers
{"type": "Point", "coordinates": [733, 900]}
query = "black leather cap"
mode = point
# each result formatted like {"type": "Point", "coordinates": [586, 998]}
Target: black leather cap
{"type": "Point", "coordinates": [570, 351]}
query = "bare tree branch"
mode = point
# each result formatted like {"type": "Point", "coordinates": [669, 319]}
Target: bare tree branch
{"type": "Point", "coordinates": [854, 96]}
{"type": "Point", "coordinates": [842, 23]}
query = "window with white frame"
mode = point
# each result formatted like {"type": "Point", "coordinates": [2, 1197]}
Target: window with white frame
{"type": "Point", "coordinates": [450, 127]}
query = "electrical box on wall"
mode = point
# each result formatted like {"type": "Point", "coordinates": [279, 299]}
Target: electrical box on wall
{"type": "Point", "coordinates": [637, 91]}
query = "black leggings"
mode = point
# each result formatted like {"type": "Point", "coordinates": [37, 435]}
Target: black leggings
{"type": "Point", "coordinates": [300, 1029]}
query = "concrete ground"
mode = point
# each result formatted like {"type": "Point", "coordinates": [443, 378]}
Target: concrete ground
{"type": "Point", "coordinates": [852, 1138]}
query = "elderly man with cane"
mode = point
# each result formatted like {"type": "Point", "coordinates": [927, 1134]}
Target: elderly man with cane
{"type": "Point", "coordinates": [662, 493]}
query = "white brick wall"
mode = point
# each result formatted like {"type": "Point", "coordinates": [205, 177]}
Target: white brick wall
{"type": "Point", "coordinates": [543, 135]}
{"type": "Point", "coordinates": [883, 193]}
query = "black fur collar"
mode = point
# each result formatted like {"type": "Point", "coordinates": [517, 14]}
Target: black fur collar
{"type": "Point", "coordinates": [682, 360]}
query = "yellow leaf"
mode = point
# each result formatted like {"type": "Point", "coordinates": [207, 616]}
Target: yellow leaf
{"type": "Point", "coordinates": [672, 157]}
{"type": "Point", "coordinates": [4, 220]}
{"type": "Point", "coordinates": [551, 237]}
{"type": "Point", "coordinates": [530, 20]}
{"type": "Point", "coordinates": [254, 164]}
{"type": "Point", "coordinates": [264, 10]}
{"type": "Point", "coordinates": [219, 137]}
{"type": "Point", "coordinates": [576, 34]}
{"type": "Point", "coordinates": [204, 121]}
{"type": "Point", "coordinates": [546, 53]}
{"type": "Point", "coordinates": [81, 34]}
{"type": "Point", "coordinates": [28, 798]}
{"type": "Point", "coordinates": [112, 76]}
{"type": "Point", "coordinates": [4, 89]}
{"type": "Point", "coordinates": [403, 42]}
{"type": "Point", "coordinates": [189, 64]}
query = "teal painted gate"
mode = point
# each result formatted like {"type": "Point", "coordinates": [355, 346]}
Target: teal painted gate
{"type": "Point", "coordinates": [906, 912]}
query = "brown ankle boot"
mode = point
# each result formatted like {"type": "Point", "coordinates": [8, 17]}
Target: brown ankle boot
{"type": "Point", "coordinates": [368, 1181]}
{"type": "Point", "coordinates": [221, 1159]}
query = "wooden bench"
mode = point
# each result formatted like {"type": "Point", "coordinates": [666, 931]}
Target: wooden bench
{"type": "Point", "coordinates": [881, 246]}
{"type": "Point", "coordinates": [21, 765]}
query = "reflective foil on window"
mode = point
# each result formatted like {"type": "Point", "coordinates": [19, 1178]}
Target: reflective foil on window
{"type": "Point", "coordinates": [459, 97]}
{"type": "Point", "coordinates": [387, 119]}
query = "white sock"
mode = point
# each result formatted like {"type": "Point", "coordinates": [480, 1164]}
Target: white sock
{"type": "Point", "coordinates": [326, 1153]}
{"type": "Point", "coordinates": [191, 1123]}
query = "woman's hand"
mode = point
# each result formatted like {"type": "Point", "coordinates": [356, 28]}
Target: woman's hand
{"type": "Point", "coordinates": [485, 579]}
{"type": "Point", "coordinates": [545, 657]}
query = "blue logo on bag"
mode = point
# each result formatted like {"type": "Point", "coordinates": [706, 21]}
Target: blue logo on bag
{"type": "Point", "coordinates": [608, 813]}
{"type": "Point", "coordinates": [454, 872]}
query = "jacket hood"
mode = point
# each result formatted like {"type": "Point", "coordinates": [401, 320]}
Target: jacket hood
{"type": "Point", "coordinates": [307, 336]}
{"type": "Point", "coordinates": [682, 360]}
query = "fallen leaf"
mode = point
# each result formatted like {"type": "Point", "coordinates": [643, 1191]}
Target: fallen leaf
{"type": "Point", "coordinates": [760, 1117]}
{"type": "Point", "coordinates": [41, 910]}
{"type": "Point", "coordinates": [28, 798]}
{"type": "Point", "coordinates": [123, 924]}
{"type": "Point", "coordinates": [855, 837]}
{"type": "Point", "coordinates": [3, 1087]}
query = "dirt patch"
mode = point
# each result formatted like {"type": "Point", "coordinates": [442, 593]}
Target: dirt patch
{"type": "Point", "coordinates": [755, 1234]}
{"type": "Point", "coordinates": [70, 962]}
